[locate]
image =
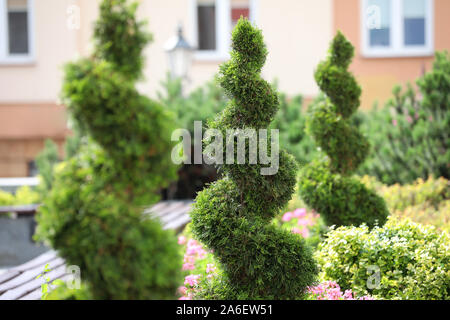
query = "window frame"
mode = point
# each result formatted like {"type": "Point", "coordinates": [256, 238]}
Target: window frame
{"type": "Point", "coordinates": [223, 27]}
{"type": "Point", "coordinates": [14, 59]}
{"type": "Point", "coordinates": [397, 47]}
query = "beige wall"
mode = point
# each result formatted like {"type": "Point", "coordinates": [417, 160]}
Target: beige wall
{"type": "Point", "coordinates": [55, 44]}
{"type": "Point", "coordinates": [297, 34]}
{"type": "Point", "coordinates": [294, 50]}
{"type": "Point", "coordinates": [378, 76]}
{"type": "Point", "coordinates": [287, 24]}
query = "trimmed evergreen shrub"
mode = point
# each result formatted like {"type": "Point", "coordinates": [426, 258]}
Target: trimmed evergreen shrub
{"type": "Point", "coordinates": [327, 185]}
{"type": "Point", "coordinates": [233, 216]}
{"type": "Point", "coordinates": [413, 261]}
{"type": "Point", "coordinates": [410, 136]}
{"type": "Point", "coordinates": [93, 214]}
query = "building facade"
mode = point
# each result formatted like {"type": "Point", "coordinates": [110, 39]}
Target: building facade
{"type": "Point", "coordinates": [394, 39]}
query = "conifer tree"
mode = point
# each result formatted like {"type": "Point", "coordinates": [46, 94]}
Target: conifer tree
{"type": "Point", "coordinates": [93, 214]}
{"type": "Point", "coordinates": [233, 216]}
{"type": "Point", "coordinates": [327, 184]}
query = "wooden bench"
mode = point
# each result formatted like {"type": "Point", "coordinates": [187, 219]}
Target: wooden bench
{"type": "Point", "coordinates": [20, 283]}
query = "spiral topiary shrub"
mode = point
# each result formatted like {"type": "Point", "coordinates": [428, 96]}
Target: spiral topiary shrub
{"type": "Point", "coordinates": [93, 213]}
{"type": "Point", "coordinates": [233, 216]}
{"type": "Point", "coordinates": [326, 184]}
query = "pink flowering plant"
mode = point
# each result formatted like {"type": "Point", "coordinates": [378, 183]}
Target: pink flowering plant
{"type": "Point", "coordinates": [306, 223]}
{"type": "Point", "coordinates": [330, 290]}
{"type": "Point", "coordinates": [198, 265]}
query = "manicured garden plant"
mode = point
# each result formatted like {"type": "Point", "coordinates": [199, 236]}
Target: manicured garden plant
{"type": "Point", "coordinates": [401, 260]}
{"type": "Point", "coordinates": [327, 185]}
{"type": "Point", "coordinates": [233, 216]}
{"type": "Point", "coordinates": [93, 213]}
{"type": "Point", "coordinates": [410, 136]}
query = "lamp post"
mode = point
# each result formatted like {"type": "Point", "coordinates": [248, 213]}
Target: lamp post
{"type": "Point", "coordinates": [179, 53]}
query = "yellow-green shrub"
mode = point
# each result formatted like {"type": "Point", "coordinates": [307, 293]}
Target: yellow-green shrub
{"type": "Point", "coordinates": [24, 195]}
{"type": "Point", "coordinates": [413, 260]}
{"type": "Point", "coordinates": [426, 202]}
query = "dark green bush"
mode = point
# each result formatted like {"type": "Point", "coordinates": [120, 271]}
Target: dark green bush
{"type": "Point", "coordinates": [93, 213]}
{"type": "Point", "coordinates": [410, 136]}
{"type": "Point", "coordinates": [45, 161]}
{"type": "Point", "coordinates": [233, 216]}
{"type": "Point", "coordinates": [413, 260]}
{"type": "Point", "coordinates": [291, 123]}
{"type": "Point", "coordinates": [326, 185]}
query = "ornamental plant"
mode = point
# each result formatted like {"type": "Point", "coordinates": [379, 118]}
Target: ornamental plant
{"type": "Point", "coordinates": [233, 216]}
{"type": "Point", "coordinates": [410, 136]}
{"type": "Point", "coordinates": [425, 202]}
{"type": "Point", "coordinates": [401, 260]}
{"type": "Point", "coordinates": [327, 185]}
{"type": "Point", "coordinates": [93, 213]}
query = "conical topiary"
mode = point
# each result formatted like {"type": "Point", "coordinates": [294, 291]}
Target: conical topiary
{"type": "Point", "coordinates": [326, 185]}
{"type": "Point", "coordinates": [233, 216]}
{"type": "Point", "coordinates": [93, 214]}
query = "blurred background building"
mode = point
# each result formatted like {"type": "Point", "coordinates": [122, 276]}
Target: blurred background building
{"type": "Point", "coordinates": [394, 39]}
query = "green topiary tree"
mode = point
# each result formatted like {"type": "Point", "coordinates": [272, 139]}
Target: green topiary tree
{"type": "Point", "coordinates": [233, 216]}
{"type": "Point", "coordinates": [326, 185]}
{"type": "Point", "coordinates": [93, 214]}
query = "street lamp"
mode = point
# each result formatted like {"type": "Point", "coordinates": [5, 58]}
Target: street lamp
{"type": "Point", "coordinates": [180, 55]}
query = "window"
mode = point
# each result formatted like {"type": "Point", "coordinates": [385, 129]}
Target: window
{"type": "Point", "coordinates": [396, 28]}
{"type": "Point", "coordinates": [16, 44]}
{"type": "Point", "coordinates": [206, 13]}
{"type": "Point", "coordinates": [213, 21]}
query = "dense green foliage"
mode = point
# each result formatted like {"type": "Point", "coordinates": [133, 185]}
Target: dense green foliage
{"type": "Point", "coordinates": [410, 136]}
{"type": "Point", "coordinates": [93, 213]}
{"type": "Point", "coordinates": [45, 163]}
{"type": "Point", "coordinates": [233, 216]}
{"type": "Point", "coordinates": [24, 195]}
{"type": "Point", "coordinates": [204, 103]}
{"type": "Point", "coordinates": [326, 185]}
{"type": "Point", "coordinates": [413, 260]}
{"type": "Point", "coordinates": [292, 124]}
{"type": "Point", "coordinates": [426, 202]}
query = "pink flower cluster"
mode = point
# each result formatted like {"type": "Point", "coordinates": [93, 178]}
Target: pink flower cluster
{"type": "Point", "coordinates": [304, 219]}
{"type": "Point", "coordinates": [330, 290]}
{"type": "Point", "coordinates": [194, 251]}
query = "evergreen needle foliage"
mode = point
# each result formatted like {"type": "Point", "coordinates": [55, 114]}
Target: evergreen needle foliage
{"type": "Point", "coordinates": [233, 216]}
{"type": "Point", "coordinates": [326, 185]}
{"type": "Point", "coordinates": [410, 136]}
{"type": "Point", "coordinates": [93, 213]}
